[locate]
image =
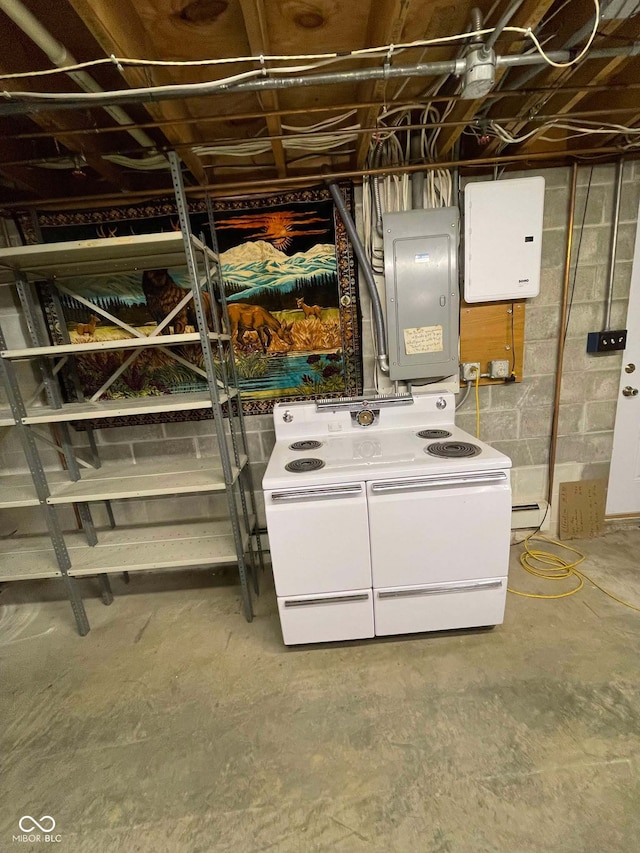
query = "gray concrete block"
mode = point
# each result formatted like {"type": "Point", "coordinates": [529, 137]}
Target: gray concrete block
{"type": "Point", "coordinates": [466, 421]}
{"type": "Point", "coordinates": [602, 385]}
{"type": "Point", "coordinates": [525, 452]}
{"type": "Point", "coordinates": [555, 207]}
{"type": "Point", "coordinates": [629, 201]}
{"type": "Point", "coordinates": [596, 471]}
{"type": "Point", "coordinates": [109, 452]}
{"type": "Point", "coordinates": [187, 429]}
{"type": "Point", "coordinates": [541, 323]}
{"type": "Point", "coordinates": [268, 442]}
{"type": "Point", "coordinates": [619, 310]}
{"type": "Point", "coordinates": [585, 317]}
{"type": "Point", "coordinates": [498, 426]}
{"type": "Point", "coordinates": [529, 483]}
{"type": "Point", "coordinates": [258, 423]}
{"type": "Point", "coordinates": [594, 447]}
{"type": "Point", "coordinates": [626, 242]}
{"type": "Point", "coordinates": [255, 450]}
{"type": "Point", "coordinates": [179, 447]}
{"type": "Point", "coordinates": [571, 419]}
{"type": "Point", "coordinates": [550, 287]}
{"type": "Point", "coordinates": [573, 386]}
{"type": "Point", "coordinates": [532, 391]}
{"type": "Point", "coordinates": [554, 177]}
{"type": "Point", "coordinates": [539, 357]}
{"type": "Point", "coordinates": [144, 432]}
{"type": "Point", "coordinates": [603, 174]}
{"type": "Point", "coordinates": [585, 278]}
{"type": "Point", "coordinates": [600, 415]}
{"type": "Point", "coordinates": [592, 247]}
{"type": "Point", "coordinates": [622, 279]}
{"type": "Point", "coordinates": [535, 421]}
{"type": "Point", "coordinates": [553, 248]}
{"type": "Point", "coordinates": [598, 205]}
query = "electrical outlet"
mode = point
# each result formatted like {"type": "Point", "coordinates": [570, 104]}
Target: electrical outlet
{"type": "Point", "coordinates": [606, 341]}
{"type": "Point", "coordinates": [469, 369]}
{"type": "Point", "coordinates": [500, 368]}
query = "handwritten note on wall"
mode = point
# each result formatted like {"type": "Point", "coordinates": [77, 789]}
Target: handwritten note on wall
{"type": "Point", "coordinates": [423, 339]}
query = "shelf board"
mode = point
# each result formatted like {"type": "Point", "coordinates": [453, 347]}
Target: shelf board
{"type": "Point", "coordinates": [17, 490]}
{"type": "Point", "coordinates": [157, 547]}
{"type": "Point", "coordinates": [123, 481]}
{"type": "Point", "coordinates": [100, 346]}
{"type": "Point", "coordinates": [124, 407]}
{"type": "Point", "coordinates": [101, 256]}
{"type": "Point", "coordinates": [152, 547]}
{"type": "Point", "coordinates": [6, 418]}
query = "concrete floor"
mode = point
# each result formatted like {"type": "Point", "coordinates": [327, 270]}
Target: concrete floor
{"type": "Point", "coordinates": [176, 726]}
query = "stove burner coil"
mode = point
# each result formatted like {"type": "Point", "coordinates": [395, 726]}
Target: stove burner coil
{"type": "Point", "coordinates": [433, 433]}
{"type": "Point", "coordinates": [453, 449]}
{"type": "Point", "coordinates": [302, 466]}
{"type": "Point", "coordinates": [306, 444]}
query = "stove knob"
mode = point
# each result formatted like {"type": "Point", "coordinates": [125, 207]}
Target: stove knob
{"type": "Point", "coordinates": [287, 417]}
{"type": "Point", "coordinates": [441, 403]}
{"type": "Point", "coordinates": [365, 417]}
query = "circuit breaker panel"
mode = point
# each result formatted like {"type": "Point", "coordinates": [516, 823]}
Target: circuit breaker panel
{"type": "Point", "coordinates": [421, 282]}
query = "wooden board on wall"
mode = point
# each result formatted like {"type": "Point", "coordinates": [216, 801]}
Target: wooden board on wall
{"type": "Point", "coordinates": [492, 330]}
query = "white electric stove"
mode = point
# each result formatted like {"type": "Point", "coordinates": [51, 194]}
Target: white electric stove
{"type": "Point", "coordinates": [384, 518]}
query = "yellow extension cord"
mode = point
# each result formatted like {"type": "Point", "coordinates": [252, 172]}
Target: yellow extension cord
{"type": "Point", "coordinates": [553, 567]}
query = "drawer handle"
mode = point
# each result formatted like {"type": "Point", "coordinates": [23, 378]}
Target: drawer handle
{"type": "Point", "coordinates": [327, 599]}
{"type": "Point", "coordinates": [440, 590]}
{"type": "Point", "coordinates": [439, 482]}
{"type": "Point", "coordinates": [315, 494]}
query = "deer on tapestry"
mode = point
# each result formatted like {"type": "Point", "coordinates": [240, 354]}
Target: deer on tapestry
{"type": "Point", "coordinates": [309, 310]}
{"type": "Point", "coordinates": [88, 328]}
{"type": "Point", "coordinates": [163, 294]}
{"type": "Point", "coordinates": [254, 318]}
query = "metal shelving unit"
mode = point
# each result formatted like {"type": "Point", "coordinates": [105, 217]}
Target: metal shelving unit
{"type": "Point", "coordinates": [150, 547]}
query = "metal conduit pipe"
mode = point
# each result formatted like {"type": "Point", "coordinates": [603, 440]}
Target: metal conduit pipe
{"type": "Point", "coordinates": [358, 248]}
{"type": "Point", "coordinates": [32, 101]}
{"type": "Point", "coordinates": [614, 243]}
{"type": "Point", "coordinates": [375, 186]}
{"type": "Point", "coordinates": [476, 24]}
{"type": "Point", "coordinates": [502, 23]}
{"type": "Point", "coordinates": [59, 56]}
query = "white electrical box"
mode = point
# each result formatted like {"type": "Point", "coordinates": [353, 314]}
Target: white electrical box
{"type": "Point", "coordinates": [503, 239]}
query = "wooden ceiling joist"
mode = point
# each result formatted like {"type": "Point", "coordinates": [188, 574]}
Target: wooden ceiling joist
{"type": "Point", "coordinates": [253, 12]}
{"type": "Point", "coordinates": [117, 27]}
{"type": "Point", "coordinates": [386, 24]}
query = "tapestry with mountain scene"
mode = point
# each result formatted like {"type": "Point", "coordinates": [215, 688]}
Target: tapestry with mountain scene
{"type": "Point", "coordinates": [290, 282]}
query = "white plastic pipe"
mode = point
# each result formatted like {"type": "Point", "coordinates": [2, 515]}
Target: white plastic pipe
{"type": "Point", "coordinates": [59, 56]}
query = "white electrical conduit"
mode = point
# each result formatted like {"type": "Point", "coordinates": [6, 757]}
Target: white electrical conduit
{"type": "Point", "coordinates": [59, 56]}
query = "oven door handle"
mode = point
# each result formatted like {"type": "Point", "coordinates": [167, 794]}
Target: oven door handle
{"type": "Point", "coordinates": [475, 586]}
{"type": "Point", "coordinates": [446, 481]}
{"type": "Point", "coordinates": [317, 493]}
{"type": "Point", "coordinates": [327, 599]}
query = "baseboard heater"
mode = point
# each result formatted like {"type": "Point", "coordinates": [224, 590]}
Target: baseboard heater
{"type": "Point", "coordinates": [529, 515]}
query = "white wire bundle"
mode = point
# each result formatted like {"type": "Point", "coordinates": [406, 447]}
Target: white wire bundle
{"type": "Point", "coordinates": [586, 128]}
{"type": "Point", "coordinates": [313, 61]}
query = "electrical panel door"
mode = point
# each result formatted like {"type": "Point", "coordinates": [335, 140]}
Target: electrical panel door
{"type": "Point", "coordinates": [503, 239]}
{"type": "Point", "coordinates": [421, 279]}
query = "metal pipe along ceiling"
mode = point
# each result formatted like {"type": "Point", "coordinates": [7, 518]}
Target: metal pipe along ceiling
{"type": "Point", "coordinates": [59, 56]}
{"type": "Point", "coordinates": [24, 102]}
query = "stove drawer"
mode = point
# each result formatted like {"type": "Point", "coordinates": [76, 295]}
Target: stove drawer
{"type": "Point", "coordinates": [437, 529]}
{"type": "Point", "coordinates": [319, 539]}
{"type": "Point", "coordinates": [440, 607]}
{"type": "Point", "coordinates": [326, 618]}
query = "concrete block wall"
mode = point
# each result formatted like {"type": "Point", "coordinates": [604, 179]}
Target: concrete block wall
{"type": "Point", "coordinates": [515, 418]}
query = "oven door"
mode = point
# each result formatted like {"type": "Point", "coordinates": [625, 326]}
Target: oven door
{"type": "Point", "coordinates": [319, 538]}
{"type": "Point", "coordinates": [435, 529]}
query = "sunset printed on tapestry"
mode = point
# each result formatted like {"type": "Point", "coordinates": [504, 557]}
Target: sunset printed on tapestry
{"type": "Point", "coordinates": [289, 282]}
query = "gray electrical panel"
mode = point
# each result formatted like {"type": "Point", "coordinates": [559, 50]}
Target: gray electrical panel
{"type": "Point", "coordinates": [421, 280]}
